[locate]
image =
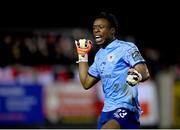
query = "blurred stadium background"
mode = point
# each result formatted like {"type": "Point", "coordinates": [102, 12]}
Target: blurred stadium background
{"type": "Point", "coordinates": [39, 83]}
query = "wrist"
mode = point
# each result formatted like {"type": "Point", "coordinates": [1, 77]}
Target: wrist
{"type": "Point", "coordinates": [82, 58]}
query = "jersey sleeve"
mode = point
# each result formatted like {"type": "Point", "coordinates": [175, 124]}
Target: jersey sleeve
{"type": "Point", "coordinates": [93, 71]}
{"type": "Point", "coordinates": [132, 56]}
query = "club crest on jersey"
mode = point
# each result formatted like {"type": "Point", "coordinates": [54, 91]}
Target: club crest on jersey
{"type": "Point", "coordinates": [110, 57]}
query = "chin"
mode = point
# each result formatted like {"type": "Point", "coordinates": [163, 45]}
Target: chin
{"type": "Point", "coordinates": [100, 43]}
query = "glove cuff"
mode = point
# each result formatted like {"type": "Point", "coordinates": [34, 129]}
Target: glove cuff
{"type": "Point", "coordinates": [134, 77]}
{"type": "Point", "coordinates": [82, 58]}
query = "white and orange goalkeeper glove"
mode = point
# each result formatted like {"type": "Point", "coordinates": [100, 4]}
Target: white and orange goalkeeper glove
{"type": "Point", "coordinates": [134, 77]}
{"type": "Point", "coordinates": [83, 46]}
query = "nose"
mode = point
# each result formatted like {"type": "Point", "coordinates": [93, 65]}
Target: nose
{"type": "Point", "coordinates": [96, 29]}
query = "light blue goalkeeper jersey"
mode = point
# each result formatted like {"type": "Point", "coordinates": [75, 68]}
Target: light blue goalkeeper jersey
{"type": "Point", "coordinates": [111, 65]}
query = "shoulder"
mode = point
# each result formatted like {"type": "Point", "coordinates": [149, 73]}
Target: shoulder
{"type": "Point", "coordinates": [127, 45]}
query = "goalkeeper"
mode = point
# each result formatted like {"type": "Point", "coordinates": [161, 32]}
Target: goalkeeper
{"type": "Point", "coordinates": [120, 67]}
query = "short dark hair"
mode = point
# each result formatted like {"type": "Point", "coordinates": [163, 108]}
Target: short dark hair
{"type": "Point", "coordinates": [110, 17]}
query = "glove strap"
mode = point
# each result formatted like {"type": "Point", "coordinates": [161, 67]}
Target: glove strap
{"type": "Point", "coordinates": [82, 58]}
{"type": "Point", "coordinates": [139, 74]}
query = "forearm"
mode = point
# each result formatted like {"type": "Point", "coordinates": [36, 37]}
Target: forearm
{"type": "Point", "coordinates": [83, 72]}
{"type": "Point", "coordinates": [143, 70]}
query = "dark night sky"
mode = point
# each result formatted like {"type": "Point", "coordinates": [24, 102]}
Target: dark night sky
{"type": "Point", "coordinates": [153, 24]}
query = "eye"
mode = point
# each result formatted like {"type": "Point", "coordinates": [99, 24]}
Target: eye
{"type": "Point", "coordinates": [101, 27]}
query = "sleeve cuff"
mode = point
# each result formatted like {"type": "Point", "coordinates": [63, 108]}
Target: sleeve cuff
{"type": "Point", "coordinates": [93, 76]}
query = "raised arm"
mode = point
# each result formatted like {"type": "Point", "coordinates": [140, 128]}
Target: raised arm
{"type": "Point", "coordinates": [83, 46]}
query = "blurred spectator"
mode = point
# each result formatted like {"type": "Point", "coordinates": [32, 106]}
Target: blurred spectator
{"type": "Point", "coordinates": [50, 41]}
{"type": "Point", "coordinates": [63, 51]}
{"type": "Point", "coordinates": [43, 52]}
{"type": "Point", "coordinates": [17, 50]}
{"type": "Point", "coordinates": [152, 57]}
{"type": "Point", "coordinates": [29, 52]}
{"type": "Point", "coordinates": [6, 55]}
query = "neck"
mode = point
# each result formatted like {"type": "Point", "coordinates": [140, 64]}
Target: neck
{"type": "Point", "coordinates": [107, 42]}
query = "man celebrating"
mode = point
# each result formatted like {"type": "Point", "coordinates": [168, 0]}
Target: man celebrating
{"type": "Point", "coordinates": [120, 67]}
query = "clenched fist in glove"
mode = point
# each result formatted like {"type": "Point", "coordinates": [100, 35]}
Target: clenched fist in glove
{"type": "Point", "coordinates": [134, 77]}
{"type": "Point", "coordinates": [83, 46]}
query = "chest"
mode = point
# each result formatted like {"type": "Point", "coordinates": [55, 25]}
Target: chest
{"type": "Point", "coordinates": [109, 62]}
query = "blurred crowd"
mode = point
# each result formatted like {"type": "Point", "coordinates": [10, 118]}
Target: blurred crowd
{"type": "Point", "coordinates": [32, 49]}
{"type": "Point", "coordinates": [24, 55]}
{"type": "Point", "coordinates": [42, 48]}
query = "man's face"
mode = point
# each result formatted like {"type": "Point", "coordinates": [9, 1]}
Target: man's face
{"type": "Point", "coordinates": [102, 31]}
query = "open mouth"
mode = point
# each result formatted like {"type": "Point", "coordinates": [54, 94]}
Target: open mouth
{"type": "Point", "coordinates": [98, 38]}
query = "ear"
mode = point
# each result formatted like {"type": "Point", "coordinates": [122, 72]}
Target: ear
{"type": "Point", "coordinates": [113, 30]}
